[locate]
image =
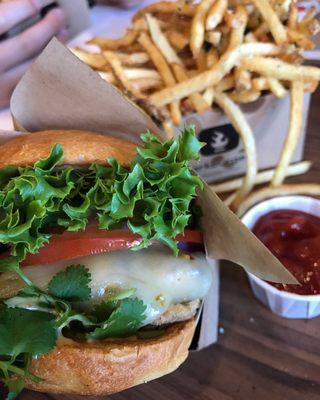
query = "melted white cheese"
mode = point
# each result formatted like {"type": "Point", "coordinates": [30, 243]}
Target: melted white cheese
{"type": "Point", "coordinates": [158, 278]}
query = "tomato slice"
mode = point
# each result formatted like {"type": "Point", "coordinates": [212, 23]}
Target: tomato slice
{"type": "Point", "coordinates": [69, 245]}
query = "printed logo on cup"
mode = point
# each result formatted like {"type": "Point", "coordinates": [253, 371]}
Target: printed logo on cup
{"type": "Point", "coordinates": [218, 139]}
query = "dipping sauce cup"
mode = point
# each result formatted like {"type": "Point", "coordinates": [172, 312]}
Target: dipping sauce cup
{"type": "Point", "coordinates": [285, 304]}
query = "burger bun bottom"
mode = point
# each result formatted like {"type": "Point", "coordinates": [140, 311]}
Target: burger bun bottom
{"type": "Point", "coordinates": [104, 367]}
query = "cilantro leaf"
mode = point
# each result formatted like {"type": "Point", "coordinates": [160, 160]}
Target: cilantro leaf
{"type": "Point", "coordinates": [72, 284]}
{"type": "Point", "coordinates": [12, 264]}
{"type": "Point", "coordinates": [26, 331]}
{"type": "Point", "coordinates": [23, 334]}
{"type": "Point", "coordinates": [15, 386]}
{"type": "Point", "coordinates": [9, 264]}
{"type": "Point", "coordinates": [74, 316]}
{"type": "Point", "coordinates": [102, 311]}
{"type": "Point", "coordinates": [123, 321]}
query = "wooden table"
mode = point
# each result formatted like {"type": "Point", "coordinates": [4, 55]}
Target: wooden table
{"type": "Point", "coordinates": [259, 356]}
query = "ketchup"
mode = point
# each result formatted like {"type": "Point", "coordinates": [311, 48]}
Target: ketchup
{"type": "Point", "coordinates": [294, 238]}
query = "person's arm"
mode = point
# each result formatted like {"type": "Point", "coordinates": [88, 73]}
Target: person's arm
{"type": "Point", "coordinates": [120, 3]}
{"type": "Point", "coordinates": [16, 52]}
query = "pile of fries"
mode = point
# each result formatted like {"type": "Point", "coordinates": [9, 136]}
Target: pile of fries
{"type": "Point", "coordinates": [181, 57]}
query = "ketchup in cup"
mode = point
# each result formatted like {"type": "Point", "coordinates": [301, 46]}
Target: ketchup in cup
{"type": "Point", "coordinates": [294, 238]}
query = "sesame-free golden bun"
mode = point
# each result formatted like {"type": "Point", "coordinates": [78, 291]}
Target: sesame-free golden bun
{"type": "Point", "coordinates": [79, 148]}
{"type": "Point", "coordinates": [104, 367]}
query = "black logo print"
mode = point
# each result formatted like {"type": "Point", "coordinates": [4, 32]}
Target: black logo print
{"type": "Point", "coordinates": [219, 139]}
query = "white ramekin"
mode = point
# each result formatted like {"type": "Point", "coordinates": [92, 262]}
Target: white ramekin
{"type": "Point", "coordinates": [287, 305]}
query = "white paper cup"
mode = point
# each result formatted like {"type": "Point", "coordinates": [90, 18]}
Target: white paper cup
{"type": "Point", "coordinates": [287, 305]}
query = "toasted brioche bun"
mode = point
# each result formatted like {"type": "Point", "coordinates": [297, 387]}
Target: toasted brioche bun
{"type": "Point", "coordinates": [80, 148]}
{"type": "Point", "coordinates": [106, 367]}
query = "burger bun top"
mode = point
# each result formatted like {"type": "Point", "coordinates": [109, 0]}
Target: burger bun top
{"type": "Point", "coordinates": [79, 148]}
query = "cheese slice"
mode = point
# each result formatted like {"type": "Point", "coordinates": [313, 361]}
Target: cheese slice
{"type": "Point", "coordinates": [157, 277]}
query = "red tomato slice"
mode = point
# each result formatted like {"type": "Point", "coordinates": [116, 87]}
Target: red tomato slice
{"type": "Point", "coordinates": [69, 245]}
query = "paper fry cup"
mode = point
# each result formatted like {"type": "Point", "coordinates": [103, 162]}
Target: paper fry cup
{"type": "Point", "coordinates": [287, 305]}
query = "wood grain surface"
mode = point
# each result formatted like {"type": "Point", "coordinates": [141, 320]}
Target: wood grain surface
{"type": "Point", "coordinates": [259, 356]}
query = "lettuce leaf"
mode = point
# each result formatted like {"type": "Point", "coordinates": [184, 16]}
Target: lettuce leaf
{"type": "Point", "coordinates": [152, 197]}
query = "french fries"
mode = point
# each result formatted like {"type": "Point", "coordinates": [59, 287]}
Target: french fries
{"type": "Point", "coordinates": [94, 60]}
{"type": "Point", "coordinates": [171, 56]}
{"type": "Point", "coordinates": [293, 17]}
{"type": "Point", "coordinates": [133, 58]}
{"type": "Point", "coordinates": [140, 73]}
{"type": "Point", "coordinates": [260, 84]}
{"type": "Point", "coordinates": [198, 26]}
{"type": "Point", "coordinates": [311, 189]}
{"type": "Point", "coordinates": [243, 79]}
{"type": "Point", "coordinates": [248, 96]}
{"type": "Point", "coordinates": [164, 71]}
{"type": "Point", "coordinates": [210, 30]}
{"type": "Point", "coordinates": [241, 125]}
{"type": "Point", "coordinates": [184, 56]}
{"type": "Point", "coordinates": [276, 88]}
{"type": "Point", "coordinates": [178, 40]}
{"type": "Point", "coordinates": [216, 74]}
{"type": "Point", "coordinates": [114, 44]}
{"type": "Point", "coordinates": [293, 133]}
{"type": "Point", "coordinates": [212, 58]}
{"type": "Point", "coordinates": [161, 41]}
{"type": "Point", "coordinates": [196, 99]}
{"type": "Point", "coordinates": [108, 76]}
{"type": "Point", "coordinates": [230, 199]}
{"type": "Point", "coordinates": [272, 20]}
{"type": "Point", "coordinates": [281, 70]}
{"type": "Point", "coordinates": [166, 7]}
{"type": "Point", "coordinates": [301, 40]}
{"type": "Point", "coordinates": [213, 37]}
{"type": "Point", "coordinates": [216, 13]}
{"type": "Point", "coordinates": [262, 177]}
{"type": "Point", "coordinates": [240, 20]}
{"type": "Point", "coordinates": [119, 72]}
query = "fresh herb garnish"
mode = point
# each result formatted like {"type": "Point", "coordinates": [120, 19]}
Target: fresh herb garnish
{"type": "Point", "coordinates": [23, 335]}
{"type": "Point", "coordinates": [11, 264]}
{"type": "Point", "coordinates": [27, 333]}
{"type": "Point", "coordinates": [123, 321]}
{"type": "Point", "coordinates": [72, 284]}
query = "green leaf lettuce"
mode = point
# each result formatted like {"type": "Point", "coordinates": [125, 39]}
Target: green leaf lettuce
{"type": "Point", "coordinates": [152, 198]}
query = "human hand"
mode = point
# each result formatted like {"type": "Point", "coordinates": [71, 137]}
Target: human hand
{"type": "Point", "coordinates": [120, 3]}
{"type": "Point", "coordinates": [17, 52]}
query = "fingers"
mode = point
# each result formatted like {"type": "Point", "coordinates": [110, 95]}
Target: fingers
{"type": "Point", "coordinates": [9, 80]}
{"type": "Point", "coordinates": [15, 11]}
{"type": "Point", "coordinates": [29, 43]}
{"type": "Point", "coordinates": [63, 35]}
{"type": "Point", "coordinates": [121, 3]}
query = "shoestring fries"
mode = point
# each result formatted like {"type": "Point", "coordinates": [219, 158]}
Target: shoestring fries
{"type": "Point", "coordinates": [179, 57]}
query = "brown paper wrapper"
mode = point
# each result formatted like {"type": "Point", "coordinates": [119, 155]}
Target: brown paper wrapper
{"type": "Point", "coordinates": [5, 136]}
{"type": "Point", "coordinates": [226, 238]}
{"type": "Point", "coordinates": [61, 92]}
